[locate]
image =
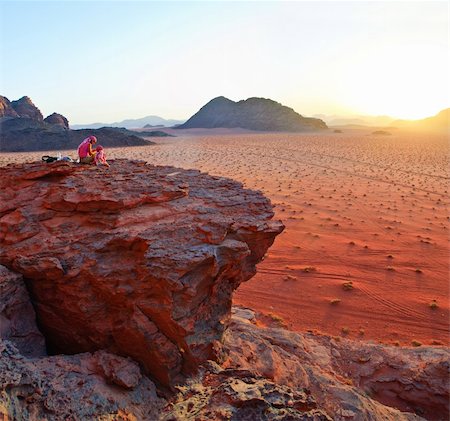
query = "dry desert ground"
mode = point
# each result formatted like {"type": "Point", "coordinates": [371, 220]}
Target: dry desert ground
{"type": "Point", "coordinates": [365, 252]}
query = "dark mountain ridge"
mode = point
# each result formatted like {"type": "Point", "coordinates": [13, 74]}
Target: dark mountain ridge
{"type": "Point", "coordinates": [254, 114]}
{"type": "Point", "coordinates": [23, 128]}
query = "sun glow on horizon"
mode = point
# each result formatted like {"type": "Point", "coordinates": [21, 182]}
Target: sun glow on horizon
{"type": "Point", "coordinates": [402, 82]}
{"type": "Point", "coordinates": [339, 57]}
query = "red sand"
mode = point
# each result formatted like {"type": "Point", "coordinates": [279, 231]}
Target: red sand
{"type": "Point", "coordinates": [357, 207]}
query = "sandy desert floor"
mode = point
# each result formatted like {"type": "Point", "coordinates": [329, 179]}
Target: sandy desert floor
{"type": "Point", "coordinates": [365, 253]}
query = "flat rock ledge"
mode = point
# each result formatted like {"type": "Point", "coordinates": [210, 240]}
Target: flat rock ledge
{"type": "Point", "coordinates": [136, 260]}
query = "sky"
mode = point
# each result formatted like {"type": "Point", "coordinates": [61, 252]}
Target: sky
{"type": "Point", "coordinates": [105, 61]}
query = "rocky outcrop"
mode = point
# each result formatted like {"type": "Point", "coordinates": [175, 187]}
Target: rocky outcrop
{"type": "Point", "coordinates": [131, 271]}
{"type": "Point", "coordinates": [6, 109]}
{"type": "Point", "coordinates": [137, 260]}
{"type": "Point", "coordinates": [24, 134]}
{"type": "Point", "coordinates": [17, 316]}
{"type": "Point", "coordinates": [269, 374]}
{"type": "Point", "coordinates": [74, 387]}
{"type": "Point", "coordinates": [57, 120]}
{"type": "Point", "coordinates": [22, 128]}
{"type": "Point", "coordinates": [253, 114]}
{"type": "Point", "coordinates": [25, 108]}
{"type": "Point", "coordinates": [347, 379]}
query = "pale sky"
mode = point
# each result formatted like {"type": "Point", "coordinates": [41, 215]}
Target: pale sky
{"type": "Point", "coordinates": [111, 60]}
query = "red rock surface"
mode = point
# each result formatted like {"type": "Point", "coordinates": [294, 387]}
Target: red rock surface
{"type": "Point", "coordinates": [99, 249]}
{"type": "Point", "coordinates": [17, 316]}
{"type": "Point", "coordinates": [347, 379]}
{"type": "Point", "coordinates": [269, 373]}
{"type": "Point", "coordinates": [74, 387]}
{"type": "Point", "coordinates": [138, 260]}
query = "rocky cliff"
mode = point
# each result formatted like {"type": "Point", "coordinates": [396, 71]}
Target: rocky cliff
{"type": "Point", "coordinates": [25, 108]}
{"type": "Point", "coordinates": [253, 114]}
{"type": "Point", "coordinates": [6, 109]}
{"type": "Point", "coordinates": [23, 128]}
{"type": "Point", "coordinates": [130, 273]}
{"type": "Point", "coordinates": [138, 260]}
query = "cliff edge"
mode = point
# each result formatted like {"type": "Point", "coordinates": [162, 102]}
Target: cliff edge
{"type": "Point", "coordinates": [115, 304]}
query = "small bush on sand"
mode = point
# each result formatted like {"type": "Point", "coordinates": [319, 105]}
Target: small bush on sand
{"type": "Point", "coordinates": [276, 317]}
{"type": "Point", "coordinates": [309, 269]}
{"type": "Point", "coordinates": [335, 301]}
{"type": "Point", "coordinates": [381, 132]}
{"type": "Point", "coordinates": [416, 343]}
{"type": "Point", "coordinates": [433, 305]}
{"type": "Point", "coordinates": [347, 286]}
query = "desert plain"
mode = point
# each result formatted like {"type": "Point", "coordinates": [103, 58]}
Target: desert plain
{"type": "Point", "coordinates": [365, 252]}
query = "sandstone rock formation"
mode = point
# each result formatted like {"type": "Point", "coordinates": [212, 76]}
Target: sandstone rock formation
{"type": "Point", "coordinates": [24, 107]}
{"type": "Point", "coordinates": [131, 271]}
{"type": "Point", "coordinates": [269, 374]}
{"type": "Point", "coordinates": [254, 114]}
{"type": "Point", "coordinates": [347, 379]}
{"type": "Point", "coordinates": [24, 134]}
{"type": "Point", "coordinates": [22, 128]}
{"type": "Point", "coordinates": [137, 260]}
{"type": "Point", "coordinates": [17, 316]}
{"type": "Point", "coordinates": [6, 109]}
{"type": "Point", "coordinates": [57, 120]}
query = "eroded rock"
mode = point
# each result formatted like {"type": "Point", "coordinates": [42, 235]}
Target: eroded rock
{"type": "Point", "coordinates": [71, 387]}
{"type": "Point", "coordinates": [138, 260]}
{"type": "Point", "coordinates": [17, 316]}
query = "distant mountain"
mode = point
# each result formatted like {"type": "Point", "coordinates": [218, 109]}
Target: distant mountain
{"type": "Point", "coordinates": [438, 123]}
{"type": "Point", "coordinates": [149, 126]}
{"type": "Point", "coordinates": [152, 120]}
{"type": "Point", "coordinates": [254, 114]}
{"type": "Point", "coordinates": [23, 128]}
{"type": "Point", "coordinates": [356, 120]}
{"type": "Point", "coordinates": [25, 134]}
{"type": "Point", "coordinates": [22, 107]}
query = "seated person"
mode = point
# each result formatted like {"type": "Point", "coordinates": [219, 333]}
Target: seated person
{"type": "Point", "coordinates": [100, 156]}
{"type": "Point", "coordinates": [85, 152]}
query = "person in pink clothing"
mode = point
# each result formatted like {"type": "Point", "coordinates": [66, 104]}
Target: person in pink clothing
{"type": "Point", "coordinates": [100, 156]}
{"type": "Point", "coordinates": [85, 152]}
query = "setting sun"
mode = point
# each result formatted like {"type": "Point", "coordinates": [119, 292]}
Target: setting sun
{"type": "Point", "coordinates": [405, 83]}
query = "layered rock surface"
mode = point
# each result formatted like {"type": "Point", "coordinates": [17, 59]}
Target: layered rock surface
{"type": "Point", "coordinates": [141, 261]}
{"type": "Point", "coordinates": [269, 374]}
{"type": "Point", "coordinates": [17, 316]}
{"type": "Point", "coordinates": [138, 260]}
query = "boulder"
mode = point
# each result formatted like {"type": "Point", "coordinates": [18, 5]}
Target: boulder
{"type": "Point", "coordinates": [137, 260]}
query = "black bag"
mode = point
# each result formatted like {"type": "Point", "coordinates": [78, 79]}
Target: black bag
{"type": "Point", "coordinates": [49, 159]}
